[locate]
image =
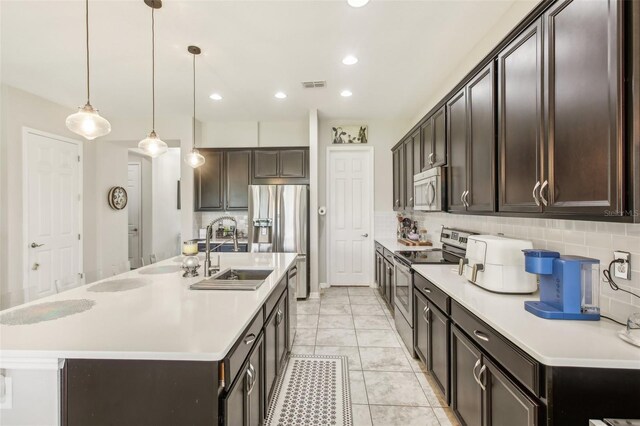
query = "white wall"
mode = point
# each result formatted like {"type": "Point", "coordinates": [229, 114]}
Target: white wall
{"type": "Point", "coordinates": [146, 206]}
{"type": "Point", "coordinates": [235, 134]}
{"type": "Point", "coordinates": [383, 134]}
{"type": "Point", "coordinates": [166, 216]}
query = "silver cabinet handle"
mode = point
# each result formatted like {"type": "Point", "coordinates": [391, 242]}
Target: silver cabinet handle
{"type": "Point", "coordinates": [249, 339]}
{"type": "Point", "coordinates": [544, 200]}
{"type": "Point", "coordinates": [431, 158]}
{"type": "Point", "coordinates": [397, 203]}
{"type": "Point", "coordinates": [480, 335]}
{"type": "Point", "coordinates": [535, 197]}
{"type": "Point", "coordinates": [278, 317]}
{"type": "Point", "coordinates": [36, 245]}
{"type": "Point", "coordinates": [426, 290]}
{"type": "Point", "coordinates": [410, 200]}
{"type": "Point", "coordinates": [365, 235]}
{"type": "Point", "coordinates": [466, 198]}
{"type": "Point", "coordinates": [425, 313]}
{"type": "Point", "coordinates": [251, 374]}
{"type": "Point", "coordinates": [462, 198]}
{"type": "Point", "coordinates": [477, 364]}
{"type": "Point", "coordinates": [481, 377]}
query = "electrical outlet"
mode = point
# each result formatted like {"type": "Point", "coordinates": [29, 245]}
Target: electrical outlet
{"type": "Point", "coordinates": [622, 269]}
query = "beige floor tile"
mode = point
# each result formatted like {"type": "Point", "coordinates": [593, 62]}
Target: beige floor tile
{"type": "Point", "coordinates": [431, 390]}
{"type": "Point", "coordinates": [371, 322]}
{"type": "Point", "coordinates": [377, 338]}
{"type": "Point", "coordinates": [336, 321]}
{"type": "Point", "coordinates": [336, 337]}
{"type": "Point", "coordinates": [384, 359]}
{"type": "Point", "coordinates": [446, 417]}
{"type": "Point", "coordinates": [361, 415]}
{"type": "Point", "coordinates": [362, 291]}
{"type": "Point", "coordinates": [305, 337]}
{"type": "Point", "coordinates": [358, 391]}
{"type": "Point", "coordinates": [307, 321]}
{"type": "Point", "coordinates": [303, 349]}
{"type": "Point", "coordinates": [308, 307]}
{"type": "Point", "coordinates": [335, 309]}
{"type": "Point", "coordinates": [349, 351]}
{"type": "Point", "coordinates": [337, 299]}
{"type": "Point", "coordinates": [394, 388]}
{"type": "Point", "coordinates": [343, 291]}
{"type": "Point", "coordinates": [384, 415]}
{"type": "Point", "coordinates": [367, 310]}
{"type": "Point", "coordinates": [363, 300]}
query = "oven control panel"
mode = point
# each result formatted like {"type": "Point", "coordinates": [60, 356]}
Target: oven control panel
{"type": "Point", "coordinates": [455, 237]}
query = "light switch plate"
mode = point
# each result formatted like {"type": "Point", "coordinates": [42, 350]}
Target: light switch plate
{"type": "Point", "coordinates": [622, 270]}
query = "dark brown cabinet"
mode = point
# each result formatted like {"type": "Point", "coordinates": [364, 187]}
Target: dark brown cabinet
{"type": "Point", "coordinates": [582, 109]}
{"type": "Point", "coordinates": [466, 393]}
{"type": "Point", "coordinates": [244, 403]}
{"type": "Point", "coordinates": [408, 170]}
{"type": "Point", "coordinates": [398, 178]}
{"type": "Point", "coordinates": [275, 344]}
{"type": "Point", "coordinates": [433, 133]}
{"type": "Point", "coordinates": [471, 136]}
{"type": "Point", "coordinates": [237, 179]}
{"type": "Point", "coordinates": [209, 181]}
{"type": "Point", "coordinates": [280, 166]}
{"type": "Point", "coordinates": [457, 141]}
{"type": "Point", "coordinates": [520, 122]}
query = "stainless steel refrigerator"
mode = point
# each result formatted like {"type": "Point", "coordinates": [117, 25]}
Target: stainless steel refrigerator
{"type": "Point", "coordinates": [279, 222]}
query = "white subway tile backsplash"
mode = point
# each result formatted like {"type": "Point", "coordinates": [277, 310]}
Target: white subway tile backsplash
{"type": "Point", "coordinates": [592, 239]}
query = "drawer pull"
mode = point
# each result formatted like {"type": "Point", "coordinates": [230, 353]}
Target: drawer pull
{"type": "Point", "coordinates": [426, 290]}
{"type": "Point", "coordinates": [278, 317]}
{"type": "Point", "coordinates": [251, 374]}
{"type": "Point", "coordinates": [249, 339]}
{"type": "Point", "coordinates": [480, 335]}
{"type": "Point", "coordinates": [481, 376]}
{"type": "Point", "coordinates": [477, 364]}
{"type": "Point", "coordinates": [425, 313]}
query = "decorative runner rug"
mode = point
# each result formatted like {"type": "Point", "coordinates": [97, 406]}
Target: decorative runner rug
{"type": "Point", "coordinates": [314, 390]}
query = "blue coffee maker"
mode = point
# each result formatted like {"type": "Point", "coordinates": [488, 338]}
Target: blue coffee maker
{"type": "Point", "coordinates": [569, 285]}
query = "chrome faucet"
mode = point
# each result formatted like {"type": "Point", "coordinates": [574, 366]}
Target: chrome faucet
{"type": "Point", "coordinates": [207, 247]}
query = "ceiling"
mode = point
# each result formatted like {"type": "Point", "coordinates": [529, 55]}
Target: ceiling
{"type": "Point", "coordinates": [251, 49]}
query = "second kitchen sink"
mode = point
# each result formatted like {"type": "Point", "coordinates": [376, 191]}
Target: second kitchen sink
{"type": "Point", "coordinates": [234, 279]}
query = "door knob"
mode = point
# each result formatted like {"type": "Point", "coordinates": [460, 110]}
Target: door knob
{"type": "Point", "coordinates": [365, 235]}
{"type": "Point", "coordinates": [35, 266]}
{"type": "Point", "coordinates": [36, 245]}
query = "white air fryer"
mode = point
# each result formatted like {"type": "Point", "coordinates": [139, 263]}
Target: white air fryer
{"type": "Point", "coordinates": [497, 264]}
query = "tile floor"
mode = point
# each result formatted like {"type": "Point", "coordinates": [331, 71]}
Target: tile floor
{"type": "Point", "coordinates": [388, 387]}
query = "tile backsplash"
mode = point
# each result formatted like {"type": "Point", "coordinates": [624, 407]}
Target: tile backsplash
{"type": "Point", "coordinates": [583, 238]}
{"type": "Point", "coordinates": [202, 219]}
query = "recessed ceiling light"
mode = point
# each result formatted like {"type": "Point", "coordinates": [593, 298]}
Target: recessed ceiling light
{"type": "Point", "coordinates": [280, 95]}
{"type": "Point", "coordinates": [216, 96]}
{"type": "Point", "coordinates": [357, 3]}
{"type": "Point", "coordinates": [346, 93]}
{"type": "Point", "coordinates": [350, 60]}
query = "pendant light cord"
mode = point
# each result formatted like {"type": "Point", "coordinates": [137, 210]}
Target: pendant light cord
{"type": "Point", "coordinates": [86, 21]}
{"type": "Point", "coordinates": [153, 71]}
{"type": "Point", "coordinates": [193, 145]}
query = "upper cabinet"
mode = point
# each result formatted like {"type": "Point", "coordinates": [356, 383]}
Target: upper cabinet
{"type": "Point", "coordinates": [398, 178]}
{"type": "Point", "coordinates": [520, 122]}
{"type": "Point", "coordinates": [582, 109]}
{"type": "Point", "coordinates": [280, 166]}
{"type": "Point", "coordinates": [433, 132]}
{"type": "Point", "coordinates": [471, 136]}
{"type": "Point", "coordinates": [237, 179]}
{"type": "Point", "coordinates": [209, 182]}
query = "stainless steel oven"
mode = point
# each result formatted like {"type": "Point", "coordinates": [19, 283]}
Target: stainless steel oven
{"type": "Point", "coordinates": [403, 292]}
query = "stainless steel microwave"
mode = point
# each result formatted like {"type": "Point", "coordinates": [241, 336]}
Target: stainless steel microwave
{"type": "Point", "coordinates": [428, 190]}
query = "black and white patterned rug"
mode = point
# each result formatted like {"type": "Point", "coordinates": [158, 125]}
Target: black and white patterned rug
{"type": "Point", "coordinates": [314, 390]}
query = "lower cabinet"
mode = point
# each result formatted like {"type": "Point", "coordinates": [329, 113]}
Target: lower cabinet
{"type": "Point", "coordinates": [275, 345]}
{"type": "Point", "coordinates": [243, 404]}
{"type": "Point", "coordinates": [481, 393]}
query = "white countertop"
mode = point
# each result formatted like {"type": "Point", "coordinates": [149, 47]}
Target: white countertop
{"type": "Point", "coordinates": [551, 342]}
{"type": "Point", "coordinates": [164, 320]}
{"type": "Point", "coordinates": [394, 245]}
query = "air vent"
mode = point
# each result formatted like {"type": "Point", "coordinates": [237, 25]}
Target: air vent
{"type": "Point", "coordinates": [314, 84]}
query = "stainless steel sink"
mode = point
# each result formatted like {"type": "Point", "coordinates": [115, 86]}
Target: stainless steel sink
{"type": "Point", "coordinates": [234, 279]}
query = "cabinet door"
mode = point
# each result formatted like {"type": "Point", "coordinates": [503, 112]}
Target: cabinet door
{"type": "Point", "coordinates": [520, 122]}
{"type": "Point", "coordinates": [398, 178]}
{"type": "Point", "coordinates": [439, 333]}
{"type": "Point", "coordinates": [583, 79]}
{"type": "Point", "coordinates": [426, 136]}
{"type": "Point", "coordinates": [417, 156]}
{"type": "Point", "coordinates": [209, 182]}
{"type": "Point", "coordinates": [281, 324]}
{"type": "Point", "coordinates": [235, 407]}
{"type": "Point", "coordinates": [421, 328]}
{"type": "Point", "coordinates": [265, 164]}
{"type": "Point", "coordinates": [270, 356]}
{"type": "Point", "coordinates": [439, 157]}
{"type": "Point", "coordinates": [505, 403]}
{"type": "Point", "coordinates": [457, 138]}
{"type": "Point", "coordinates": [293, 163]}
{"type": "Point", "coordinates": [466, 394]}
{"type": "Point", "coordinates": [255, 388]}
{"type": "Point", "coordinates": [482, 142]}
{"type": "Point", "coordinates": [408, 173]}
{"type": "Point", "coordinates": [238, 179]}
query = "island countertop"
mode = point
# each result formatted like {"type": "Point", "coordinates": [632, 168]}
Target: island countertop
{"type": "Point", "coordinates": [161, 320]}
{"type": "Point", "coordinates": [551, 342]}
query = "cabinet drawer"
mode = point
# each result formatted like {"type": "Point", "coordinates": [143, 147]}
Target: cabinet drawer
{"type": "Point", "coordinates": [513, 359]}
{"type": "Point", "coordinates": [379, 248]}
{"type": "Point", "coordinates": [388, 255]}
{"type": "Point", "coordinates": [236, 357]}
{"type": "Point", "coordinates": [273, 299]}
{"type": "Point", "coordinates": [433, 293]}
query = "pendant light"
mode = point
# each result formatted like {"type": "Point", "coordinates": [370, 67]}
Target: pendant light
{"type": "Point", "coordinates": [194, 158]}
{"type": "Point", "coordinates": [87, 122]}
{"type": "Point", "coordinates": [152, 145]}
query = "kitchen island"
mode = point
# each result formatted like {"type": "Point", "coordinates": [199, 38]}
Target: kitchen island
{"type": "Point", "coordinates": [149, 350]}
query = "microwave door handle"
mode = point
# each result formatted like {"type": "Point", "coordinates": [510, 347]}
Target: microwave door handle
{"type": "Point", "coordinates": [433, 193]}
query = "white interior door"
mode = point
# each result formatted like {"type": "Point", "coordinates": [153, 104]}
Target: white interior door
{"type": "Point", "coordinates": [134, 203]}
{"type": "Point", "coordinates": [53, 213]}
{"type": "Point", "coordinates": [350, 211]}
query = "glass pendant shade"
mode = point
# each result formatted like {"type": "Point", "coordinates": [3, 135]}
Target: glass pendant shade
{"type": "Point", "coordinates": [194, 159]}
{"type": "Point", "coordinates": [88, 123]}
{"type": "Point", "coordinates": [152, 145]}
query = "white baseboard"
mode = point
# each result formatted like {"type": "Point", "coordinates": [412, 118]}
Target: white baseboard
{"type": "Point", "coordinates": [314, 295]}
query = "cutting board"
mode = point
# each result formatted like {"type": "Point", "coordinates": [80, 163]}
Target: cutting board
{"type": "Point", "coordinates": [407, 242]}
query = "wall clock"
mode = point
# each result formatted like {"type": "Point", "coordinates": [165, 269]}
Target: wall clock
{"type": "Point", "coordinates": [117, 198]}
